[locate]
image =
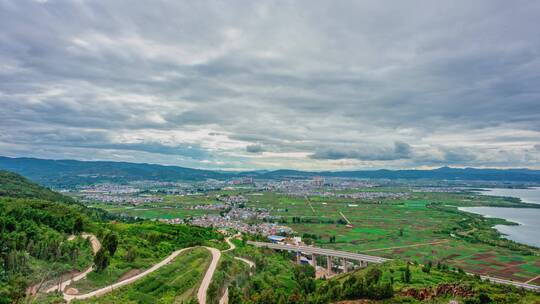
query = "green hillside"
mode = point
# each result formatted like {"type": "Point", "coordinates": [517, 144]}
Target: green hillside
{"type": "Point", "coordinates": [36, 248]}
{"type": "Point", "coordinates": [14, 185]}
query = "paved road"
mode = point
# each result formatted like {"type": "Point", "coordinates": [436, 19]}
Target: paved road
{"type": "Point", "coordinates": [508, 282]}
{"type": "Point", "coordinates": [355, 256]}
{"type": "Point", "coordinates": [96, 245]}
{"type": "Point", "coordinates": [203, 289]}
{"type": "Point", "coordinates": [322, 251]}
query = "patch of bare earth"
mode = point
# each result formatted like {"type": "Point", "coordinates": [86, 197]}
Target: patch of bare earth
{"type": "Point", "coordinates": [423, 294]}
{"type": "Point", "coordinates": [356, 302]}
{"type": "Point", "coordinates": [72, 291]}
{"type": "Point", "coordinates": [129, 274]}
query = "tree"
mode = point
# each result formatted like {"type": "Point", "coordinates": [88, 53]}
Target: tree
{"type": "Point", "coordinates": [235, 297]}
{"type": "Point", "coordinates": [400, 231]}
{"type": "Point", "coordinates": [373, 276]}
{"type": "Point", "coordinates": [130, 255]}
{"type": "Point", "coordinates": [427, 267]}
{"type": "Point", "coordinates": [78, 225]}
{"type": "Point", "coordinates": [406, 275]}
{"type": "Point", "coordinates": [111, 243]}
{"type": "Point", "coordinates": [101, 259]}
{"type": "Point", "coordinates": [484, 298]}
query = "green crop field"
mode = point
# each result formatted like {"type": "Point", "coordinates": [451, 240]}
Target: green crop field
{"type": "Point", "coordinates": [160, 211]}
{"type": "Point", "coordinates": [423, 226]}
{"type": "Point", "coordinates": [425, 230]}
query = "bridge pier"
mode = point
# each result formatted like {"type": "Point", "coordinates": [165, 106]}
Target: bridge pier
{"type": "Point", "coordinates": [298, 258]}
{"type": "Point", "coordinates": [314, 261]}
{"type": "Point", "coordinates": [344, 261]}
{"type": "Point", "coordinates": [329, 264]}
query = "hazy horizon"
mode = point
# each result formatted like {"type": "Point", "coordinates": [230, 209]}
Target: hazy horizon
{"type": "Point", "coordinates": [305, 85]}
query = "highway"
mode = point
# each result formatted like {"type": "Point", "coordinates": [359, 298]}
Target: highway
{"type": "Point", "coordinates": [322, 251]}
{"type": "Point", "coordinates": [371, 259]}
{"type": "Point", "coordinates": [508, 282]}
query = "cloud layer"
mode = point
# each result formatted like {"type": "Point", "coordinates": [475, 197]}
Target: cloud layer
{"type": "Point", "coordinates": [273, 84]}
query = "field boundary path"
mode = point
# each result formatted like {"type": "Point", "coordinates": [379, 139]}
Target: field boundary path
{"type": "Point", "coordinates": [533, 279]}
{"type": "Point", "coordinates": [345, 218]}
{"type": "Point", "coordinates": [310, 205]}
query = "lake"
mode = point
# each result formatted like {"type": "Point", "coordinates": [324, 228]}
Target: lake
{"type": "Point", "coordinates": [530, 195]}
{"type": "Point", "coordinates": [528, 232]}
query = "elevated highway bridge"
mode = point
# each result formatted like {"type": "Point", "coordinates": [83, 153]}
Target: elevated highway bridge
{"type": "Point", "coordinates": [363, 259]}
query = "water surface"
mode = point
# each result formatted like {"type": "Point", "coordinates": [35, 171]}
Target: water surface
{"type": "Point", "coordinates": [529, 195]}
{"type": "Point", "coordinates": [528, 231]}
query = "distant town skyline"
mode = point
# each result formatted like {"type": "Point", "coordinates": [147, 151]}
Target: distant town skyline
{"type": "Point", "coordinates": [308, 85]}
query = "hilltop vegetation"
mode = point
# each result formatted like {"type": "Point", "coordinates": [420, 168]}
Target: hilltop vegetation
{"type": "Point", "coordinates": [35, 224]}
{"type": "Point", "coordinates": [16, 186]}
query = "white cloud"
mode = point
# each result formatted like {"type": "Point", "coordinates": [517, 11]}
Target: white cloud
{"type": "Point", "coordinates": [307, 84]}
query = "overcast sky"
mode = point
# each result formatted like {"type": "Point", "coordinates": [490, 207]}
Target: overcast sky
{"type": "Point", "coordinates": [272, 84]}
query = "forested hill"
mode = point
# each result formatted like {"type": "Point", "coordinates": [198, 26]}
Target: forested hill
{"type": "Point", "coordinates": [65, 173]}
{"type": "Point", "coordinates": [16, 186]}
{"type": "Point", "coordinates": [35, 247]}
{"type": "Point", "coordinates": [61, 173]}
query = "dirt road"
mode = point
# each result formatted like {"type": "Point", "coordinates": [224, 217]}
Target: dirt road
{"type": "Point", "coordinates": [225, 297]}
{"type": "Point", "coordinates": [231, 245]}
{"type": "Point", "coordinates": [96, 245]}
{"type": "Point", "coordinates": [250, 263]}
{"type": "Point", "coordinates": [107, 289]}
{"type": "Point", "coordinates": [201, 294]}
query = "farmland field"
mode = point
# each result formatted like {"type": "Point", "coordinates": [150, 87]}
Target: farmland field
{"type": "Point", "coordinates": [425, 230]}
{"type": "Point", "coordinates": [420, 226]}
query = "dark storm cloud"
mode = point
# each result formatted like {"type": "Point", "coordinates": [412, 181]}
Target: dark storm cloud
{"type": "Point", "coordinates": [457, 157]}
{"type": "Point", "coordinates": [254, 149]}
{"type": "Point", "coordinates": [309, 83]}
{"type": "Point", "coordinates": [399, 151]}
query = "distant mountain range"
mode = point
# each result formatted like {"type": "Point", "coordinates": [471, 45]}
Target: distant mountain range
{"type": "Point", "coordinates": [70, 172]}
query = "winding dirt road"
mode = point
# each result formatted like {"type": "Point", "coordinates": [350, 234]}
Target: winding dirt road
{"type": "Point", "coordinates": [203, 289]}
{"type": "Point", "coordinates": [201, 293]}
{"type": "Point", "coordinates": [96, 245]}
{"type": "Point", "coordinates": [107, 289]}
{"type": "Point", "coordinates": [225, 297]}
